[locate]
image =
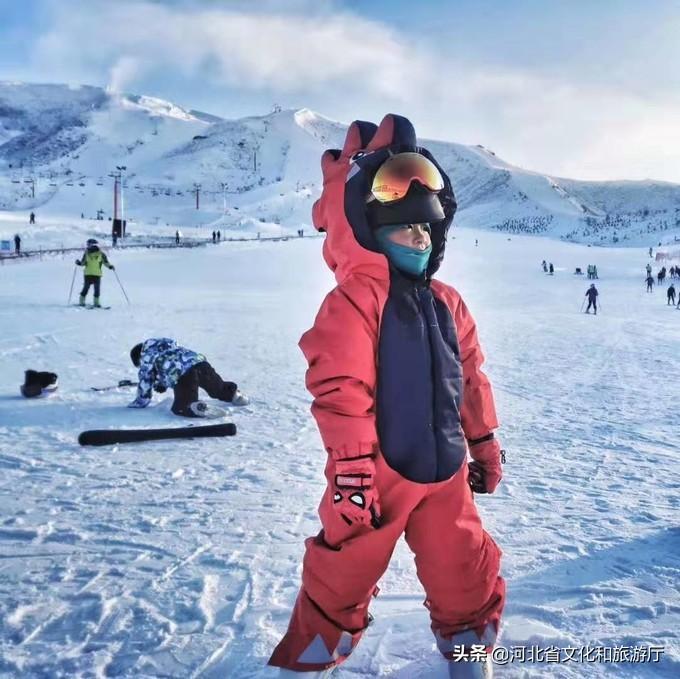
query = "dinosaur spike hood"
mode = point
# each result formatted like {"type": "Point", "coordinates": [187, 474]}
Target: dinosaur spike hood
{"type": "Point", "coordinates": [341, 210]}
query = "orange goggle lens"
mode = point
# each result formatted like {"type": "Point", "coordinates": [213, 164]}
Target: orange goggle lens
{"type": "Point", "coordinates": [394, 176]}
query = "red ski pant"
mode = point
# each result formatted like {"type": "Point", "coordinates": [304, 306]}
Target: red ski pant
{"type": "Point", "coordinates": [456, 560]}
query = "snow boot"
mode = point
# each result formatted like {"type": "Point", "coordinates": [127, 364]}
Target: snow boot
{"type": "Point", "coordinates": [466, 653]}
{"type": "Point", "coordinates": [81, 301]}
{"type": "Point", "coordinates": [97, 303]}
{"type": "Point", "coordinates": [36, 382]}
{"type": "Point", "coordinates": [239, 399]}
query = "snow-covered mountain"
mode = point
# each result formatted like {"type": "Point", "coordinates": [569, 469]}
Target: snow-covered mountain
{"type": "Point", "coordinates": [60, 144]}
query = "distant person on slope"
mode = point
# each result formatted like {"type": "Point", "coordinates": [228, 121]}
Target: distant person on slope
{"type": "Point", "coordinates": [17, 244]}
{"type": "Point", "coordinates": [670, 294]}
{"type": "Point", "coordinates": [551, 269]}
{"type": "Point", "coordinates": [31, 218]}
{"type": "Point", "coordinates": [650, 283]}
{"type": "Point", "coordinates": [400, 401]}
{"type": "Point", "coordinates": [93, 260]}
{"type": "Point", "coordinates": [592, 294]}
{"type": "Point", "coordinates": [163, 364]}
{"type": "Point", "coordinates": [177, 237]}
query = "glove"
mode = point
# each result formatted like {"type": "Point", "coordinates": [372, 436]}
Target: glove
{"type": "Point", "coordinates": [138, 403]}
{"type": "Point", "coordinates": [485, 471]}
{"type": "Point", "coordinates": [111, 267]}
{"type": "Point", "coordinates": [78, 262]}
{"type": "Point", "coordinates": [161, 389]}
{"type": "Point", "coordinates": [355, 496]}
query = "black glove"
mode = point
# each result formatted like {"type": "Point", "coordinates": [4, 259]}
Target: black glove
{"type": "Point", "coordinates": [111, 267]}
{"type": "Point", "coordinates": [78, 262]}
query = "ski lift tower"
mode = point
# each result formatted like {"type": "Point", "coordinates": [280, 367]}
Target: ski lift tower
{"type": "Point", "coordinates": [118, 225]}
{"type": "Point", "coordinates": [121, 179]}
{"type": "Point", "coordinates": [223, 186]}
{"type": "Point", "coordinates": [31, 181]}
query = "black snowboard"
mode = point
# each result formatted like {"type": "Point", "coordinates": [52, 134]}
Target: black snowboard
{"type": "Point", "coordinates": [107, 437]}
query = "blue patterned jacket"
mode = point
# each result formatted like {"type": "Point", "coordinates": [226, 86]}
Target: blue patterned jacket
{"type": "Point", "coordinates": [163, 362]}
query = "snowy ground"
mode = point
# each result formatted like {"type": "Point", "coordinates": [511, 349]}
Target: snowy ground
{"type": "Point", "coordinates": [183, 559]}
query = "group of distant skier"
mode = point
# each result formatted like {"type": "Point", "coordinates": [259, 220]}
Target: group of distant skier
{"type": "Point", "coordinates": [674, 272]}
{"type": "Point", "coordinates": [592, 292]}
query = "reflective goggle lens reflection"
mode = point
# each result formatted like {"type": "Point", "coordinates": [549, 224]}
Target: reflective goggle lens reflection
{"type": "Point", "coordinates": [394, 177]}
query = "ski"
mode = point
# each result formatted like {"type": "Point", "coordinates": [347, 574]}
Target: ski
{"type": "Point", "coordinates": [121, 383]}
{"type": "Point", "coordinates": [90, 306]}
{"type": "Point", "coordinates": [107, 437]}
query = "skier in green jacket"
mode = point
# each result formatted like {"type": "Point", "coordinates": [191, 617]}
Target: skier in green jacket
{"type": "Point", "coordinates": [93, 260]}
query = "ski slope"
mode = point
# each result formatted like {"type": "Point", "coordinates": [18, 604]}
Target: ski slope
{"type": "Point", "coordinates": [183, 559]}
{"type": "Point", "coordinates": [60, 145]}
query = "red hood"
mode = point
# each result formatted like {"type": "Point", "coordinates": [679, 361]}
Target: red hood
{"type": "Point", "coordinates": [345, 256]}
{"type": "Point", "coordinates": [342, 252]}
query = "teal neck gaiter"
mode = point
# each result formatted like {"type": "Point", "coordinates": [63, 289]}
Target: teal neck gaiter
{"type": "Point", "coordinates": [407, 260]}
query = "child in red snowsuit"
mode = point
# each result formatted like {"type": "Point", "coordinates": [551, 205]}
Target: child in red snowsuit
{"type": "Point", "coordinates": [400, 401]}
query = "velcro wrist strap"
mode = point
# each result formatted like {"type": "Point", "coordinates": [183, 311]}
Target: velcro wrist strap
{"type": "Point", "coordinates": [353, 481]}
{"type": "Point", "coordinates": [483, 439]}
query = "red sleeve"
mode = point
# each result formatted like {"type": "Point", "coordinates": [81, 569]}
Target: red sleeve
{"type": "Point", "coordinates": [341, 351]}
{"type": "Point", "coordinates": [478, 412]}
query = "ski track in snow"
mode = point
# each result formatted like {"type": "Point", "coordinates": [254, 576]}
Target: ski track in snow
{"type": "Point", "coordinates": [183, 559]}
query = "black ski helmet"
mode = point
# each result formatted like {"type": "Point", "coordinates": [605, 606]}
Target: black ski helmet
{"type": "Point", "coordinates": [136, 354]}
{"type": "Point", "coordinates": [92, 244]}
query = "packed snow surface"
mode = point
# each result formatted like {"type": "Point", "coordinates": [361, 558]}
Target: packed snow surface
{"type": "Point", "coordinates": [182, 559]}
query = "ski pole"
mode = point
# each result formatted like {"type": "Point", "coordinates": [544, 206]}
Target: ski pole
{"type": "Point", "coordinates": [73, 280]}
{"type": "Point", "coordinates": [582, 303]}
{"type": "Point", "coordinates": [121, 287]}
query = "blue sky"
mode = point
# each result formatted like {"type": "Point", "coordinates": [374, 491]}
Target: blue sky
{"type": "Point", "coordinates": [580, 88]}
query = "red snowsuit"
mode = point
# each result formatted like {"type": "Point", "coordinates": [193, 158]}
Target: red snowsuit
{"type": "Point", "coordinates": [356, 337]}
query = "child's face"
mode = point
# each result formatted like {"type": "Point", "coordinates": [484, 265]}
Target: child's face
{"type": "Point", "coordinates": [415, 236]}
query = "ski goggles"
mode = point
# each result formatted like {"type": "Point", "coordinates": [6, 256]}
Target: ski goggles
{"type": "Point", "coordinates": [393, 178]}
